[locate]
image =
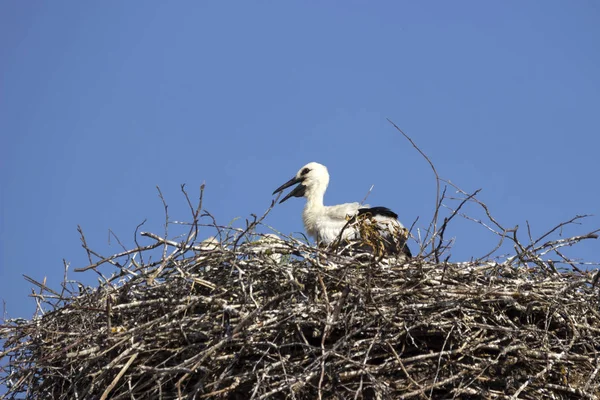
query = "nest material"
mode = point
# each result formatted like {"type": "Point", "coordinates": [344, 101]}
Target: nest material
{"type": "Point", "coordinates": [381, 239]}
{"type": "Point", "coordinates": [291, 321]}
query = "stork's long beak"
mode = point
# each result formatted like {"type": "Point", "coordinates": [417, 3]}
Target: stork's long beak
{"type": "Point", "coordinates": [297, 192]}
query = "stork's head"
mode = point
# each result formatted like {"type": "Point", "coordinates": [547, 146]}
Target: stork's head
{"type": "Point", "coordinates": [312, 180]}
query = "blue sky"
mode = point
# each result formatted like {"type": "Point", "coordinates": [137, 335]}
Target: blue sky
{"type": "Point", "coordinates": [100, 102]}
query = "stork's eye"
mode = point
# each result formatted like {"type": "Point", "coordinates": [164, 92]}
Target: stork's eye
{"type": "Point", "coordinates": [305, 171]}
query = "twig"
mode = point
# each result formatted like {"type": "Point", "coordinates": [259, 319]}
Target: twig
{"type": "Point", "coordinates": [437, 182]}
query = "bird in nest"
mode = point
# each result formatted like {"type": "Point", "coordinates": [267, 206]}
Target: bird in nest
{"type": "Point", "coordinates": [373, 228]}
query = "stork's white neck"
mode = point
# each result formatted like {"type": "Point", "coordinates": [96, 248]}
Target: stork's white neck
{"type": "Point", "coordinates": [314, 197]}
{"type": "Point", "coordinates": [313, 209]}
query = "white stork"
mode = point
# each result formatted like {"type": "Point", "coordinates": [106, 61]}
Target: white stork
{"type": "Point", "coordinates": [325, 223]}
{"type": "Point", "coordinates": [269, 245]}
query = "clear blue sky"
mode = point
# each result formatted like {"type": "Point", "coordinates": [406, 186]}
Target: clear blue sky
{"type": "Point", "coordinates": [102, 101]}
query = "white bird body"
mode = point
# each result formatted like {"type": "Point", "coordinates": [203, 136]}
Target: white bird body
{"type": "Point", "coordinates": [326, 224]}
{"type": "Point", "coordinates": [269, 245]}
{"type": "Point", "coordinates": [208, 244]}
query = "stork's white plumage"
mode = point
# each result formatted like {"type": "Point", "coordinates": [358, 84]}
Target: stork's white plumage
{"type": "Point", "coordinates": [208, 244]}
{"type": "Point", "coordinates": [325, 223]}
{"type": "Point", "coordinates": [270, 245]}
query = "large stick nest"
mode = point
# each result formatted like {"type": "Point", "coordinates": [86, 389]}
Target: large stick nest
{"type": "Point", "coordinates": [270, 319]}
{"type": "Point", "coordinates": [254, 317]}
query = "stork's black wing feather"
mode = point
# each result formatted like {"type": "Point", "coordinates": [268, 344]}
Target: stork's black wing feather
{"type": "Point", "coordinates": [383, 211]}
{"type": "Point", "coordinates": [406, 250]}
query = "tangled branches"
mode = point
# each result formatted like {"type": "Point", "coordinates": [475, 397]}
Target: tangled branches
{"type": "Point", "coordinates": [251, 316]}
{"type": "Point", "coordinates": [280, 319]}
